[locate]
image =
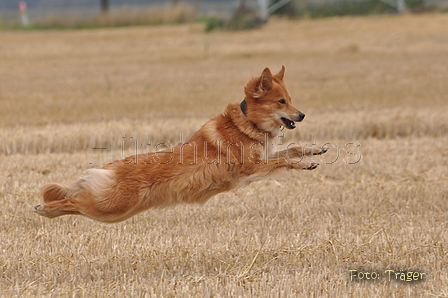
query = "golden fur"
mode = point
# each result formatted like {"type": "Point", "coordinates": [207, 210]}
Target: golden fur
{"type": "Point", "coordinates": [231, 150]}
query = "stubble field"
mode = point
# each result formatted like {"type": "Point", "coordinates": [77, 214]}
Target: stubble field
{"type": "Point", "coordinates": [373, 88]}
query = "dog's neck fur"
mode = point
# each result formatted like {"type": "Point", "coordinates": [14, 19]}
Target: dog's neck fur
{"type": "Point", "coordinates": [238, 115]}
{"type": "Point", "coordinates": [243, 107]}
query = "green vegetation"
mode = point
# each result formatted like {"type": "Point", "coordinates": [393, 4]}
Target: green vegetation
{"type": "Point", "coordinates": [344, 8]}
{"type": "Point", "coordinates": [348, 7]}
{"type": "Point", "coordinates": [242, 19]}
{"type": "Point", "coordinates": [178, 14]}
{"type": "Point", "coordinates": [245, 19]}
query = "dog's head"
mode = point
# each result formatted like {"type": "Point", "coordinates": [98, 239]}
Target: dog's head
{"type": "Point", "coordinates": [269, 103]}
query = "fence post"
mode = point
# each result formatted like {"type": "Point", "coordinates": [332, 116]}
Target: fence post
{"type": "Point", "coordinates": [266, 11]}
{"type": "Point", "coordinates": [24, 13]}
{"type": "Point", "coordinates": [104, 6]}
{"type": "Point", "coordinates": [399, 5]}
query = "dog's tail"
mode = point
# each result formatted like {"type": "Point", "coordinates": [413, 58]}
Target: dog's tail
{"type": "Point", "coordinates": [96, 183]}
{"type": "Point", "coordinates": [55, 192]}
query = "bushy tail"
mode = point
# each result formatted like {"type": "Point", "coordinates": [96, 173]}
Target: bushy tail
{"type": "Point", "coordinates": [54, 192]}
{"type": "Point", "coordinates": [96, 183]}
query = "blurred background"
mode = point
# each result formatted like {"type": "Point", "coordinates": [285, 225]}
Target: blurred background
{"type": "Point", "coordinates": [88, 13]}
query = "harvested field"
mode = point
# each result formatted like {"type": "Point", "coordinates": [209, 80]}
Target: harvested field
{"type": "Point", "coordinates": [374, 88]}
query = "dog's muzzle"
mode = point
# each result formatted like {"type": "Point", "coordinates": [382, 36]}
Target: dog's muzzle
{"type": "Point", "coordinates": [290, 124]}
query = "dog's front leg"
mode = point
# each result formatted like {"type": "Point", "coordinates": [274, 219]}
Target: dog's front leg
{"type": "Point", "coordinates": [299, 151]}
{"type": "Point", "coordinates": [270, 165]}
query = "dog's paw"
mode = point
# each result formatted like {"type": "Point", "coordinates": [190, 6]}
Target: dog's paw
{"type": "Point", "coordinates": [310, 166]}
{"type": "Point", "coordinates": [38, 209]}
{"type": "Point", "coordinates": [321, 150]}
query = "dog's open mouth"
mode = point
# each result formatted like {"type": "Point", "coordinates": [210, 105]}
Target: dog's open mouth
{"type": "Point", "coordinates": [289, 123]}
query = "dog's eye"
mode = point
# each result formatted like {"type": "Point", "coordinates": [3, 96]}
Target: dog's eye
{"type": "Point", "coordinates": [282, 101]}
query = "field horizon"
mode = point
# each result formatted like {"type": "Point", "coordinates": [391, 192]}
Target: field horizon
{"type": "Point", "coordinates": [372, 88]}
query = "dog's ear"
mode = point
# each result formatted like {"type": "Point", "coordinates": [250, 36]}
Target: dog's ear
{"type": "Point", "coordinates": [266, 80]}
{"type": "Point", "coordinates": [280, 74]}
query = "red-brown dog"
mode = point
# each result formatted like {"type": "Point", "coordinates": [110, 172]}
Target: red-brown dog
{"type": "Point", "coordinates": [231, 150]}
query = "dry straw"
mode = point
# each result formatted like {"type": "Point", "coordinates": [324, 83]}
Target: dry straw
{"type": "Point", "coordinates": [373, 207]}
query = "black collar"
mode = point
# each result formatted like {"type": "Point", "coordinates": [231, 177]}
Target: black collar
{"type": "Point", "coordinates": [243, 106]}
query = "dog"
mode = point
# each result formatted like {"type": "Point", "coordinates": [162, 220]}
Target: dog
{"type": "Point", "coordinates": [231, 150]}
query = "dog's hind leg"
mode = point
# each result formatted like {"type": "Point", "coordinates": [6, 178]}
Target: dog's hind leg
{"type": "Point", "coordinates": [58, 207]}
{"type": "Point", "coordinates": [80, 206]}
{"type": "Point", "coordinates": [106, 210]}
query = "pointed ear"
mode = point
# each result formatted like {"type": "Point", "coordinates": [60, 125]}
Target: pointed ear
{"type": "Point", "coordinates": [280, 74]}
{"type": "Point", "coordinates": [266, 80]}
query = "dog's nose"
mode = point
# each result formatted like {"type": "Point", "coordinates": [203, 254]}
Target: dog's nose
{"type": "Point", "coordinates": [301, 116]}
